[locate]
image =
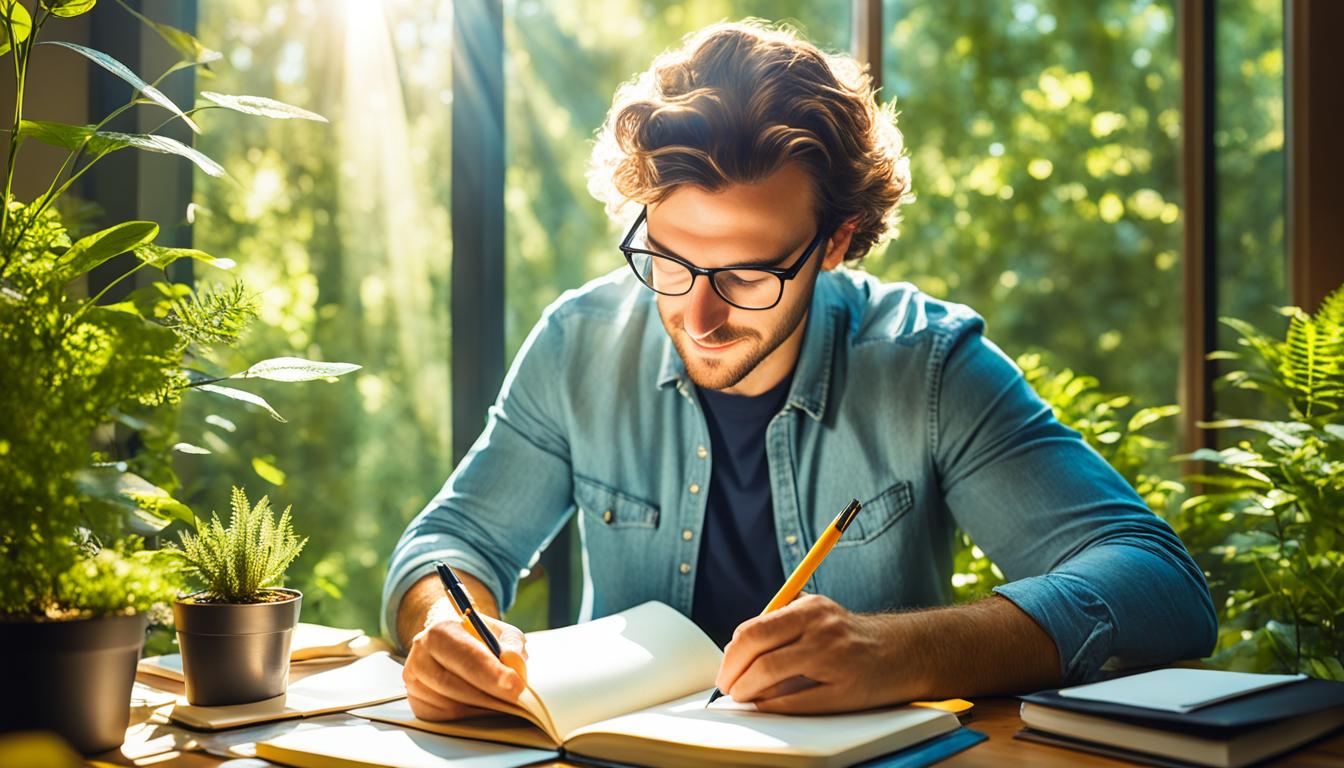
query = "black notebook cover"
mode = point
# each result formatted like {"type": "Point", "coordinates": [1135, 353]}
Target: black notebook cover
{"type": "Point", "coordinates": [1215, 720]}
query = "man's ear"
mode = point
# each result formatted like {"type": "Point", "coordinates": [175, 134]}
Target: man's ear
{"type": "Point", "coordinates": [838, 245]}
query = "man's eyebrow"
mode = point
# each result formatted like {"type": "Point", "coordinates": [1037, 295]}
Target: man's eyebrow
{"type": "Point", "coordinates": [774, 262]}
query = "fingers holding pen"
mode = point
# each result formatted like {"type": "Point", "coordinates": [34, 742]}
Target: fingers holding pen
{"type": "Point", "coordinates": [457, 650]}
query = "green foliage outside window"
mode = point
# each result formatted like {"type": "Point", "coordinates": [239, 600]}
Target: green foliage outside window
{"type": "Point", "coordinates": [346, 231]}
{"type": "Point", "coordinates": [1045, 146]}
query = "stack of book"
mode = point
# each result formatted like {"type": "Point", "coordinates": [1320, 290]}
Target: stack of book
{"type": "Point", "coordinates": [1183, 717]}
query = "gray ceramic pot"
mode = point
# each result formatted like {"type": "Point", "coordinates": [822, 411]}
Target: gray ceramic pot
{"type": "Point", "coordinates": [233, 653]}
{"type": "Point", "coordinates": [72, 677]}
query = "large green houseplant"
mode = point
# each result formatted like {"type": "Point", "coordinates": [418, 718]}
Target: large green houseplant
{"type": "Point", "coordinates": [88, 402]}
{"type": "Point", "coordinates": [1272, 512]}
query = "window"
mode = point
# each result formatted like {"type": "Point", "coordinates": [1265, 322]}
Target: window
{"type": "Point", "coordinates": [1045, 158]}
{"type": "Point", "coordinates": [1248, 146]}
{"type": "Point", "coordinates": [343, 231]}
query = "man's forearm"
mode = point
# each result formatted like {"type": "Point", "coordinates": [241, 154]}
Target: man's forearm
{"type": "Point", "coordinates": [417, 601]}
{"type": "Point", "coordinates": [983, 648]}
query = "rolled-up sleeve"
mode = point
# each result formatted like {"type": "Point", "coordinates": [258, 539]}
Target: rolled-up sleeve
{"type": "Point", "coordinates": [509, 496]}
{"type": "Point", "coordinates": [1083, 555]}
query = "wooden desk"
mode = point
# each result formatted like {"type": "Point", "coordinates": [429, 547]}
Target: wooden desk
{"type": "Point", "coordinates": [996, 717]}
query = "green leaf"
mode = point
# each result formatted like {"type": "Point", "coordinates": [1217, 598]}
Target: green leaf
{"type": "Point", "coordinates": [69, 8]}
{"type": "Point", "coordinates": [65, 136]}
{"type": "Point", "coordinates": [72, 137]}
{"type": "Point", "coordinates": [15, 18]}
{"type": "Point", "coordinates": [215, 420]}
{"type": "Point", "coordinates": [192, 449]}
{"type": "Point", "coordinates": [122, 71]}
{"type": "Point", "coordinates": [154, 143]}
{"type": "Point", "coordinates": [243, 395]}
{"type": "Point", "coordinates": [1202, 454]}
{"type": "Point", "coordinates": [161, 256]}
{"type": "Point", "coordinates": [186, 44]}
{"type": "Point", "coordinates": [1285, 431]}
{"type": "Point", "coordinates": [1148, 416]}
{"type": "Point", "coordinates": [88, 252]}
{"type": "Point", "coordinates": [295, 369]}
{"type": "Point", "coordinates": [149, 508]}
{"type": "Point", "coordinates": [261, 106]}
{"type": "Point", "coordinates": [268, 471]}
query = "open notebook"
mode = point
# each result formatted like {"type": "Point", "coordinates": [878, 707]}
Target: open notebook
{"type": "Point", "coordinates": [631, 688]}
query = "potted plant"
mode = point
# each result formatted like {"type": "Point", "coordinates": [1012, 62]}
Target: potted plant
{"type": "Point", "coordinates": [1270, 523]}
{"type": "Point", "coordinates": [88, 405]}
{"type": "Point", "coordinates": [234, 632]}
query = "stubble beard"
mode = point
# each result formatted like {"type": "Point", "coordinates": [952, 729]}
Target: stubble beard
{"type": "Point", "coordinates": [724, 372]}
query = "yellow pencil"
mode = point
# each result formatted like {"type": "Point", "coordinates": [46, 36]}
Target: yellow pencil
{"type": "Point", "coordinates": [794, 584]}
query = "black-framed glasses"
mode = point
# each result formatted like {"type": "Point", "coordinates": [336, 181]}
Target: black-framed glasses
{"type": "Point", "coordinates": [751, 288]}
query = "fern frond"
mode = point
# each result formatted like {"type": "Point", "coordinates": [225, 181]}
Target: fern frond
{"type": "Point", "coordinates": [1311, 363]}
{"type": "Point", "coordinates": [1331, 311]}
{"type": "Point", "coordinates": [236, 563]}
{"type": "Point", "coordinates": [216, 316]}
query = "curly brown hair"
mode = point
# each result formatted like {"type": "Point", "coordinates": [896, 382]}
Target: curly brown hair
{"type": "Point", "coordinates": [734, 104]}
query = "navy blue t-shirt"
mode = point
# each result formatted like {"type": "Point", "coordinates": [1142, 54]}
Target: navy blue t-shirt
{"type": "Point", "coordinates": [739, 568]}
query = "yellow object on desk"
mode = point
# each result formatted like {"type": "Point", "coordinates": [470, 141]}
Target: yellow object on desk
{"type": "Point", "coordinates": [959, 707]}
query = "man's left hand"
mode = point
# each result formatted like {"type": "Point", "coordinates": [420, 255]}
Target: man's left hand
{"type": "Point", "coordinates": [814, 656]}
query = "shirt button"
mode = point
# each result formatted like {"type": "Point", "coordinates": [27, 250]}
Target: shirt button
{"type": "Point", "coordinates": [685, 568]}
{"type": "Point", "coordinates": [790, 539]}
{"type": "Point", "coordinates": [700, 451]}
{"type": "Point", "coordinates": [686, 534]}
{"type": "Point", "coordinates": [606, 516]}
{"type": "Point", "coordinates": [694, 488]}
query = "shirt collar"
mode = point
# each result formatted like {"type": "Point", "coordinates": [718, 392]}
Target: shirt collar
{"type": "Point", "coordinates": [812, 374]}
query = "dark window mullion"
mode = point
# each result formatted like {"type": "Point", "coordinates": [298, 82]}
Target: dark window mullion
{"type": "Point", "coordinates": [866, 39]}
{"type": "Point", "coordinates": [132, 184]}
{"type": "Point", "coordinates": [477, 309]}
{"type": "Point", "coordinates": [1196, 21]}
{"type": "Point", "coordinates": [1314, 110]}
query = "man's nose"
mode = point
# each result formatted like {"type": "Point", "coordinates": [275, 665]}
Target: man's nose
{"type": "Point", "coordinates": [706, 311]}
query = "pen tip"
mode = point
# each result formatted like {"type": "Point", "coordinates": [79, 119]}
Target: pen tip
{"type": "Point", "coordinates": [714, 697]}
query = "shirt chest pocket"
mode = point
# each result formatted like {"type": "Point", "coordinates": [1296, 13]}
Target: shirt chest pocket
{"type": "Point", "coordinates": [605, 507]}
{"type": "Point", "coordinates": [877, 515]}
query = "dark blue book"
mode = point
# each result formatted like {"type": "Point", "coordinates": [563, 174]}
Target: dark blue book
{"type": "Point", "coordinates": [1231, 733]}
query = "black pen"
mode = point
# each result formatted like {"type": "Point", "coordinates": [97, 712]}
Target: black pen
{"type": "Point", "coordinates": [457, 593]}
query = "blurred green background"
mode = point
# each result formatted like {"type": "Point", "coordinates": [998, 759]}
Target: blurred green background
{"type": "Point", "coordinates": [1045, 151]}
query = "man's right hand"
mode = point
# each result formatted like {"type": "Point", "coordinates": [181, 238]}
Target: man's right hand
{"type": "Point", "coordinates": [450, 675]}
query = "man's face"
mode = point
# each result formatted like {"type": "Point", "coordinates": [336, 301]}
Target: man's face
{"type": "Point", "coordinates": [767, 223]}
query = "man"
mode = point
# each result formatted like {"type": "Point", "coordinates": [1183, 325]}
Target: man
{"type": "Point", "coordinates": [709, 409]}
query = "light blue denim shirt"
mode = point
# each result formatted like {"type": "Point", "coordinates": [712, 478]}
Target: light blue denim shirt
{"type": "Point", "coordinates": [897, 400]}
